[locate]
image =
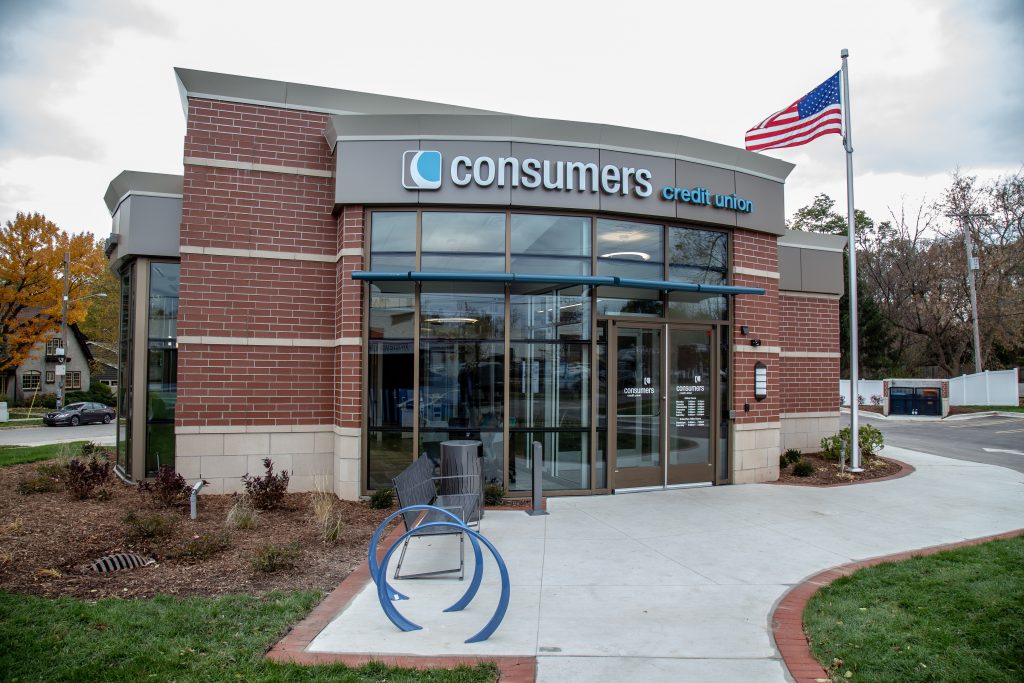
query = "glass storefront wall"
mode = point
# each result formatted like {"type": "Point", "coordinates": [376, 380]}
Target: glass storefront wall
{"type": "Point", "coordinates": [161, 365]}
{"type": "Point", "coordinates": [124, 370]}
{"type": "Point", "coordinates": [510, 365]}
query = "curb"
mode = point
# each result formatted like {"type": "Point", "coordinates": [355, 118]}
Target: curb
{"type": "Point", "coordinates": [786, 619]}
{"type": "Point", "coordinates": [292, 647]}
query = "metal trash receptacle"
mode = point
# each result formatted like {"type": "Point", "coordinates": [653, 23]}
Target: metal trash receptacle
{"type": "Point", "coordinates": [462, 456]}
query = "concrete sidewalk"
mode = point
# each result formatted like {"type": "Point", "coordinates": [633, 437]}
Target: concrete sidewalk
{"type": "Point", "coordinates": [676, 585]}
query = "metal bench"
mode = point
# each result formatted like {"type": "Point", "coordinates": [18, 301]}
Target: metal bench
{"type": "Point", "coordinates": [459, 494]}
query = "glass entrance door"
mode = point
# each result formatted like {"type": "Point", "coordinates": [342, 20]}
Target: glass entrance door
{"type": "Point", "coordinates": [664, 405]}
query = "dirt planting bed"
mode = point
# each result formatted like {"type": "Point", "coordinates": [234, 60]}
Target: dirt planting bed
{"type": "Point", "coordinates": [828, 473]}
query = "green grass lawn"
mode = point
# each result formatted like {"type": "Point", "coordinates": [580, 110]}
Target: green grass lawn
{"type": "Point", "coordinates": [952, 616]}
{"type": "Point", "coordinates": [172, 639]}
{"type": "Point", "coordinates": [15, 455]}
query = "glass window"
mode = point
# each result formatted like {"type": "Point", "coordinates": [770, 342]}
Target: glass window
{"type": "Point", "coordinates": [565, 456]}
{"type": "Point", "coordinates": [161, 365]}
{"type": "Point", "coordinates": [447, 314]}
{"type": "Point", "coordinates": [50, 379]}
{"type": "Point", "coordinates": [392, 310]}
{"type": "Point", "coordinates": [633, 302]}
{"type": "Point", "coordinates": [30, 380]}
{"type": "Point", "coordinates": [390, 384]}
{"type": "Point", "coordinates": [462, 386]}
{"type": "Point", "coordinates": [698, 256]}
{"type": "Point", "coordinates": [461, 242]}
{"type": "Point", "coordinates": [549, 385]}
{"type": "Point", "coordinates": [124, 369]}
{"type": "Point", "coordinates": [52, 345]}
{"type": "Point", "coordinates": [74, 379]}
{"type": "Point", "coordinates": [632, 250]}
{"type": "Point", "coordinates": [550, 244]}
{"type": "Point", "coordinates": [393, 240]}
{"type": "Point", "coordinates": [388, 453]}
{"type": "Point", "coordinates": [697, 306]}
{"type": "Point", "coordinates": [556, 314]}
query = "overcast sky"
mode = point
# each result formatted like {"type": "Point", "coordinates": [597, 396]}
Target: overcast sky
{"type": "Point", "coordinates": [88, 89]}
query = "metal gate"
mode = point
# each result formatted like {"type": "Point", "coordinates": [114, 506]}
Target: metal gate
{"type": "Point", "coordinates": [915, 401]}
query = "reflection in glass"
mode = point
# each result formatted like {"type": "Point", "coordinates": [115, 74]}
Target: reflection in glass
{"type": "Point", "coordinates": [461, 315]}
{"type": "Point", "coordinates": [393, 240]}
{"type": "Point", "coordinates": [124, 370]}
{"type": "Point", "coordinates": [698, 255]}
{"type": "Point", "coordinates": [638, 397]}
{"type": "Point", "coordinates": [724, 399]}
{"type": "Point", "coordinates": [697, 306]}
{"type": "Point", "coordinates": [690, 406]}
{"type": "Point", "coordinates": [632, 250]}
{"type": "Point", "coordinates": [647, 304]}
{"type": "Point", "coordinates": [556, 314]}
{"type": "Point", "coordinates": [388, 453]}
{"type": "Point", "coordinates": [550, 244]}
{"type": "Point", "coordinates": [389, 374]}
{"type": "Point", "coordinates": [161, 365]}
{"type": "Point", "coordinates": [549, 385]}
{"type": "Point", "coordinates": [463, 241]}
{"type": "Point", "coordinates": [462, 385]}
{"type": "Point", "coordinates": [392, 310]}
{"type": "Point", "coordinates": [566, 460]}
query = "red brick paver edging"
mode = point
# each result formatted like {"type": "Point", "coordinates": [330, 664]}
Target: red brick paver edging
{"type": "Point", "coordinates": [786, 619]}
{"type": "Point", "coordinates": [905, 469]}
{"type": "Point", "coordinates": [292, 647]}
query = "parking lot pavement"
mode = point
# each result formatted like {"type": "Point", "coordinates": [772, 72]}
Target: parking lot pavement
{"type": "Point", "coordinates": [38, 436]}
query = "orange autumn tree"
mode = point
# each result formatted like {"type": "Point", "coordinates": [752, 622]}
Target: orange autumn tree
{"type": "Point", "coordinates": [32, 282]}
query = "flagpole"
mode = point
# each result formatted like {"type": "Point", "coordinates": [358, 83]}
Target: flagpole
{"type": "Point", "coordinates": [851, 229]}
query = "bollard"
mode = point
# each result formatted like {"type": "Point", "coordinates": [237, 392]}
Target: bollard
{"type": "Point", "coordinates": [538, 480]}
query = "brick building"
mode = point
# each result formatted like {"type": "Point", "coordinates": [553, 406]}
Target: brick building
{"type": "Point", "coordinates": [342, 281]}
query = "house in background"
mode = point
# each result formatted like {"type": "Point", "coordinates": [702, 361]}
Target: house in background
{"type": "Point", "coordinates": [37, 375]}
{"type": "Point", "coordinates": [104, 366]}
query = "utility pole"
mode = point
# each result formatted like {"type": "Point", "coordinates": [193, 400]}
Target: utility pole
{"type": "Point", "coordinates": [972, 266]}
{"type": "Point", "coordinates": [63, 354]}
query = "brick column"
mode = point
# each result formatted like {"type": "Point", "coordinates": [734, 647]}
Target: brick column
{"type": "Point", "coordinates": [349, 357]}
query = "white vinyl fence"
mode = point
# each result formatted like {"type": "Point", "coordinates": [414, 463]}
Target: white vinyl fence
{"type": "Point", "coordinates": [865, 387]}
{"type": "Point", "coordinates": [989, 388]}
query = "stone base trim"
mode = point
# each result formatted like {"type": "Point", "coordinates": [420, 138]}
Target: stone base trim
{"type": "Point", "coordinates": [281, 255]}
{"type": "Point", "coordinates": [809, 354]}
{"type": "Point", "coordinates": [292, 648]}
{"type": "Point", "coordinates": [804, 431]}
{"type": "Point", "coordinates": [740, 270]}
{"type": "Point", "coordinates": [787, 619]}
{"type": "Point", "coordinates": [808, 295]}
{"type": "Point", "coordinates": [755, 452]}
{"type": "Point", "coordinates": [756, 349]}
{"type": "Point", "coordinates": [827, 413]}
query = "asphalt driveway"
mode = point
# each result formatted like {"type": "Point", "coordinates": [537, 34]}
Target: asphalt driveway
{"type": "Point", "coordinates": [675, 585]}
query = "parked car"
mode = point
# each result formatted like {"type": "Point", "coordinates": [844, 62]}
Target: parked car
{"type": "Point", "coordinates": [75, 414]}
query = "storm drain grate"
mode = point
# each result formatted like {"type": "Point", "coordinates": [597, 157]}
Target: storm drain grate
{"type": "Point", "coordinates": [118, 562]}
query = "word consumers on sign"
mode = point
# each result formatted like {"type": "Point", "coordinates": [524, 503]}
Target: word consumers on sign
{"type": "Point", "coordinates": [421, 170]}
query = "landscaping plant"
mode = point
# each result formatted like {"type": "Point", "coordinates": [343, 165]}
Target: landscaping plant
{"type": "Point", "coordinates": [82, 477]}
{"type": "Point", "coordinates": [835, 446]}
{"type": "Point", "coordinates": [168, 487]}
{"type": "Point", "coordinates": [242, 515]}
{"type": "Point", "coordinates": [803, 469]}
{"type": "Point", "coordinates": [150, 524]}
{"type": "Point", "coordinates": [271, 558]}
{"type": "Point", "coordinates": [266, 492]}
{"type": "Point", "coordinates": [494, 494]}
{"type": "Point", "coordinates": [202, 546]}
{"type": "Point", "coordinates": [382, 499]}
{"type": "Point", "coordinates": [326, 518]}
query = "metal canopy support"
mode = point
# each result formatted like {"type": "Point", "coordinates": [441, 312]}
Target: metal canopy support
{"type": "Point", "coordinates": [592, 280]}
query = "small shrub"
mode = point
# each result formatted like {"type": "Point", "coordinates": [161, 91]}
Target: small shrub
{"type": "Point", "coordinates": [82, 477]}
{"type": "Point", "coordinates": [53, 469]}
{"type": "Point", "coordinates": [202, 546]}
{"type": "Point", "coordinates": [242, 515]}
{"type": "Point", "coordinates": [838, 445]}
{"type": "Point", "coordinates": [150, 524]}
{"type": "Point", "coordinates": [168, 487]}
{"type": "Point", "coordinates": [271, 558]}
{"type": "Point", "coordinates": [6, 558]}
{"type": "Point", "coordinates": [39, 483]}
{"type": "Point", "coordinates": [783, 462]}
{"type": "Point", "coordinates": [266, 492]}
{"type": "Point", "coordinates": [325, 515]}
{"type": "Point", "coordinates": [791, 455]}
{"type": "Point", "coordinates": [90, 449]}
{"type": "Point", "coordinates": [876, 400]}
{"type": "Point", "coordinates": [382, 499]}
{"type": "Point", "coordinates": [494, 494]}
{"type": "Point", "coordinates": [803, 469]}
{"type": "Point", "coordinates": [860, 400]}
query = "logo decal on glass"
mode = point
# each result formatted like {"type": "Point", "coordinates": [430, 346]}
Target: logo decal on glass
{"type": "Point", "coordinates": [421, 170]}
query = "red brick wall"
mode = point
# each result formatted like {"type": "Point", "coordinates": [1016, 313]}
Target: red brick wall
{"type": "Point", "coordinates": [254, 385]}
{"type": "Point", "coordinates": [760, 314]}
{"type": "Point", "coordinates": [239, 296]}
{"type": "Point", "coordinates": [809, 324]}
{"type": "Point", "coordinates": [349, 308]}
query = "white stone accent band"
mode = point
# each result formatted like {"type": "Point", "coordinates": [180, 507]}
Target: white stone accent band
{"type": "Point", "coordinates": [810, 354]}
{"type": "Point", "coordinates": [740, 270]}
{"type": "Point", "coordinates": [252, 166]}
{"type": "Point", "coordinates": [271, 341]}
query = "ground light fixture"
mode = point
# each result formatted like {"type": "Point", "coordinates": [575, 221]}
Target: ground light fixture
{"type": "Point", "coordinates": [760, 381]}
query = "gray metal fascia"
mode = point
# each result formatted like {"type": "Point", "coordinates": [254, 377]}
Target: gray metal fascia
{"type": "Point", "coordinates": [262, 91]}
{"type": "Point", "coordinates": [812, 240]}
{"type": "Point", "coordinates": [144, 183]}
{"type": "Point", "coordinates": [555, 132]}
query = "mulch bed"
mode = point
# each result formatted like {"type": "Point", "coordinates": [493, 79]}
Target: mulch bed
{"type": "Point", "coordinates": [46, 538]}
{"type": "Point", "coordinates": [827, 473]}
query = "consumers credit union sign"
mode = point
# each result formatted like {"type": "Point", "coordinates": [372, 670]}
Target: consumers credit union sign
{"type": "Point", "coordinates": [428, 170]}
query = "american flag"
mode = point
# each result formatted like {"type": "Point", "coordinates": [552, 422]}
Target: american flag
{"type": "Point", "coordinates": [817, 113]}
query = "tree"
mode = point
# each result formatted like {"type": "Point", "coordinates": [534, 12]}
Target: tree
{"type": "Point", "coordinates": [32, 285]}
{"type": "Point", "coordinates": [102, 324]}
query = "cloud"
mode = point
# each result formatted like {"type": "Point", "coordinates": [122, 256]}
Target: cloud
{"type": "Point", "coordinates": [966, 109]}
{"type": "Point", "coordinates": [47, 50]}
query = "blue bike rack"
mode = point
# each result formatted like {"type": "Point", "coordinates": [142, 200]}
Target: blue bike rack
{"type": "Point", "coordinates": [386, 594]}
